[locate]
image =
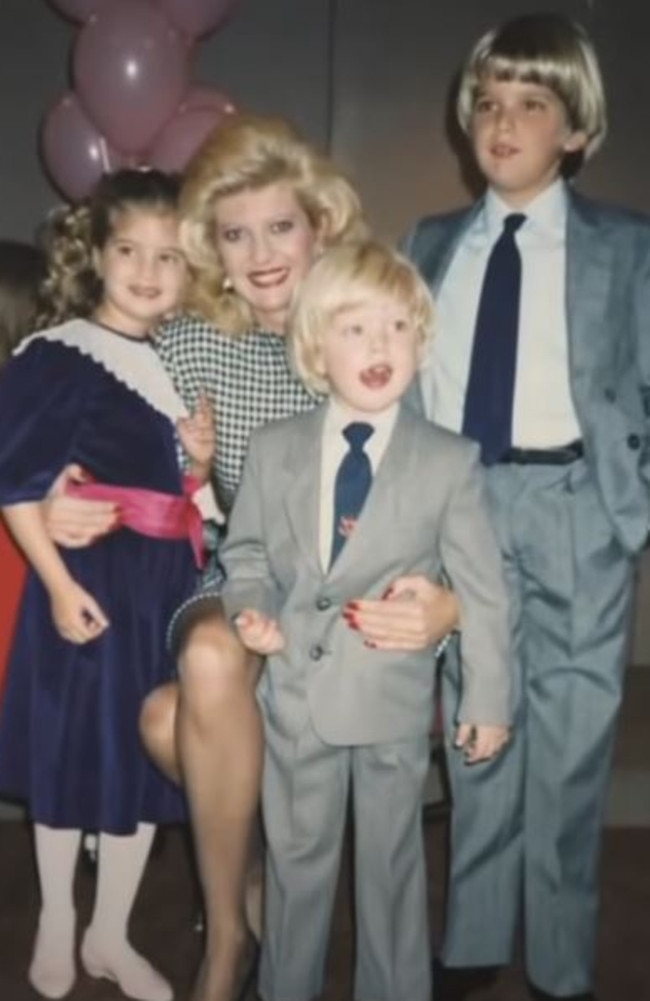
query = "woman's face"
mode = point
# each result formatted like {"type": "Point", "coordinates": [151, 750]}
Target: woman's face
{"type": "Point", "coordinates": [267, 245]}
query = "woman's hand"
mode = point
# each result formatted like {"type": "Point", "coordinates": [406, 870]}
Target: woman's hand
{"type": "Point", "coordinates": [71, 521]}
{"type": "Point", "coordinates": [413, 614]}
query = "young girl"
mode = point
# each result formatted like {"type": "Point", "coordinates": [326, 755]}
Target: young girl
{"type": "Point", "coordinates": [90, 638]}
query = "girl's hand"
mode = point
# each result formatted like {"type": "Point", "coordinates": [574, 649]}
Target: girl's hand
{"type": "Point", "coordinates": [198, 437]}
{"type": "Point", "coordinates": [72, 521]}
{"type": "Point", "coordinates": [258, 632]}
{"type": "Point", "coordinates": [77, 616]}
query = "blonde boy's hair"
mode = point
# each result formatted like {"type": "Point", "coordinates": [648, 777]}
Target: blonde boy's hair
{"type": "Point", "coordinates": [247, 153]}
{"type": "Point", "coordinates": [546, 49]}
{"type": "Point", "coordinates": [345, 277]}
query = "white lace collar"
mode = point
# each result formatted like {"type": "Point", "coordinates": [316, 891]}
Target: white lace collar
{"type": "Point", "coordinates": [133, 362]}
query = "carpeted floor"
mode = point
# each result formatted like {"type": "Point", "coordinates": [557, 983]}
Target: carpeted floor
{"type": "Point", "coordinates": [162, 924]}
{"type": "Point", "coordinates": [166, 908]}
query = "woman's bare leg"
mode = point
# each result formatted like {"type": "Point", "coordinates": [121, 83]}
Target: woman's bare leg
{"type": "Point", "coordinates": [219, 744]}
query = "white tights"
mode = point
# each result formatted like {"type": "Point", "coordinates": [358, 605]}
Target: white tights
{"type": "Point", "coordinates": [105, 949]}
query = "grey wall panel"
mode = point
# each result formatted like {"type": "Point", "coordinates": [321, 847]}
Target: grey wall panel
{"type": "Point", "coordinates": [394, 66]}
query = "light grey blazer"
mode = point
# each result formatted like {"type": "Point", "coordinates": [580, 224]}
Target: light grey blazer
{"type": "Point", "coordinates": [608, 316]}
{"type": "Point", "coordinates": [425, 513]}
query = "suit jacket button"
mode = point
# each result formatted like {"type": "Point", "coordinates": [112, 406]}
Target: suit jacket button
{"type": "Point", "coordinates": [323, 603]}
{"type": "Point", "coordinates": [610, 394]}
{"type": "Point", "coordinates": [316, 652]}
{"type": "Point", "coordinates": [634, 441]}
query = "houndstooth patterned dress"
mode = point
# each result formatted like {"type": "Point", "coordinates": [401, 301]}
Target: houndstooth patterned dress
{"type": "Point", "coordinates": [249, 382]}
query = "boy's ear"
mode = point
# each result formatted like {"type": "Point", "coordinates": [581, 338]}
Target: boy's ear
{"type": "Point", "coordinates": [575, 142]}
{"type": "Point", "coordinates": [319, 362]}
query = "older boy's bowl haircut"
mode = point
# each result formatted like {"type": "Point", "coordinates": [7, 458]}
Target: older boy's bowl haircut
{"type": "Point", "coordinates": [547, 49]}
{"type": "Point", "coordinates": [247, 153]}
{"type": "Point", "coordinates": [344, 277]}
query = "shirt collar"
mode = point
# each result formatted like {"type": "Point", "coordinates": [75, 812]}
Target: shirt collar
{"type": "Point", "coordinates": [338, 417]}
{"type": "Point", "coordinates": [547, 212]}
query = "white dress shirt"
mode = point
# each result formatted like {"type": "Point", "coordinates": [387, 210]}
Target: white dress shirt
{"type": "Point", "coordinates": [334, 447]}
{"type": "Point", "coordinates": [543, 412]}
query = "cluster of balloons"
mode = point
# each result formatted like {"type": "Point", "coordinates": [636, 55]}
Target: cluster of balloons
{"type": "Point", "coordinates": [132, 102]}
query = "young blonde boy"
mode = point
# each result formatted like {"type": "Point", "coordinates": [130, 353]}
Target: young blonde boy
{"type": "Point", "coordinates": [567, 481]}
{"type": "Point", "coordinates": [338, 712]}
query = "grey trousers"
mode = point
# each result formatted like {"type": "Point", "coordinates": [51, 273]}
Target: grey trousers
{"type": "Point", "coordinates": [526, 828]}
{"type": "Point", "coordinates": [305, 801]}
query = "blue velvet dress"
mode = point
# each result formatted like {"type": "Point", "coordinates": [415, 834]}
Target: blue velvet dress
{"type": "Point", "coordinates": [69, 743]}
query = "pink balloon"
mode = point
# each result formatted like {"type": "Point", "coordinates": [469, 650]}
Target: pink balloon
{"type": "Point", "coordinates": [130, 69]}
{"type": "Point", "coordinates": [78, 10]}
{"type": "Point", "coordinates": [196, 17]}
{"type": "Point", "coordinates": [181, 137]}
{"type": "Point", "coordinates": [74, 153]}
{"type": "Point", "coordinates": [207, 97]}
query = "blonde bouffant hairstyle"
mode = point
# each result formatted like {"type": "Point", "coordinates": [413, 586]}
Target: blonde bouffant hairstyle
{"type": "Point", "coordinates": [546, 49]}
{"type": "Point", "coordinates": [344, 277]}
{"type": "Point", "coordinates": [247, 153]}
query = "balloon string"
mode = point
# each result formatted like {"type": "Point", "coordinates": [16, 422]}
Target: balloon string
{"type": "Point", "coordinates": [103, 153]}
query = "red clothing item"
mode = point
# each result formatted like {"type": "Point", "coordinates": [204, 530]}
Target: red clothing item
{"type": "Point", "coordinates": [12, 578]}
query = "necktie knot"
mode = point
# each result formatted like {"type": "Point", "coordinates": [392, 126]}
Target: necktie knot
{"type": "Point", "coordinates": [357, 434]}
{"type": "Point", "coordinates": [513, 222]}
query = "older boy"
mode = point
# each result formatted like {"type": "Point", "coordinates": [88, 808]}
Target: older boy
{"type": "Point", "coordinates": [543, 357]}
{"type": "Point", "coordinates": [303, 542]}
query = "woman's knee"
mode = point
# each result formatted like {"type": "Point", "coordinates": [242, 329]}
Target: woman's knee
{"type": "Point", "coordinates": [213, 663]}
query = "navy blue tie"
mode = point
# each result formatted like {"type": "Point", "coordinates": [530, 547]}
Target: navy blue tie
{"type": "Point", "coordinates": [491, 384]}
{"type": "Point", "coordinates": [352, 484]}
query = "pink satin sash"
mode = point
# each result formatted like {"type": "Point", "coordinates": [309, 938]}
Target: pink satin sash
{"type": "Point", "coordinates": [149, 512]}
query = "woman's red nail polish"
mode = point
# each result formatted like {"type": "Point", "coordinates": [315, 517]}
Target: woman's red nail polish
{"type": "Point", "coordinates": [352, 606]}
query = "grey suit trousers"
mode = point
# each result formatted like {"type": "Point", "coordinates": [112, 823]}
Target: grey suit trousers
{"type": "Point", "coordinates": [527, 826]}
{"type": "Point", "coordinates": [305, 798]}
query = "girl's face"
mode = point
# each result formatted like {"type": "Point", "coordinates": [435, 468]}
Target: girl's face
{"type": "Point", "coordinates": [142, 269]}
{"type": "Point", "coordinates": [267, 244]}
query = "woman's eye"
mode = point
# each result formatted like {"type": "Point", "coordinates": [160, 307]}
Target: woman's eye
{"type": "Point", "coordinates": [231, 235]}
{"type": "Point", "coordinates": [282, 226]}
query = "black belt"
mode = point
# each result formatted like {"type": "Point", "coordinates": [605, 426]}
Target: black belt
{"type": "Point", "coordinates": [560, 456]}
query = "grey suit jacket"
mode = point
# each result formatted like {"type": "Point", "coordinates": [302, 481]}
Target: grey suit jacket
{"type": "Point", "coordinates": [425, 512]}
{"type": "Point", "coordinates": [608, 319]}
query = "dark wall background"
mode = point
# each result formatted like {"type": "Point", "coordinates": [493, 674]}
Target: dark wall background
{"type": "Point", "coordinates": [368, 78]}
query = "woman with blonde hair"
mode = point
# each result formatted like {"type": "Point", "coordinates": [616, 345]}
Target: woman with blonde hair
{"type": "Point", "coordinates": [258, 205]}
